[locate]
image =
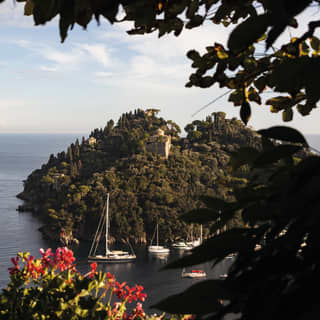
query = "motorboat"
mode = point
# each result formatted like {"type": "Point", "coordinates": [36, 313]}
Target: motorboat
{"type": "Point", "coordinates": [193, 274]}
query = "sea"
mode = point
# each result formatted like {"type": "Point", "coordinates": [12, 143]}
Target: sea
{"type": "Point", "coordinates": [20, 154]}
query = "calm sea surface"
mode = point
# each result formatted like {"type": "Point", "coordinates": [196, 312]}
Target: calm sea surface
{"type": "Point", "coordinates": [20, 154]}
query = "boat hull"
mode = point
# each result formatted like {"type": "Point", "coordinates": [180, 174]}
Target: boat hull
{"type": "Point", "coordinates": [193, 275]}
{"type": "Point", "coordinates": [158, 249]}
{"type": "Point", "coordinates": [112, 259]}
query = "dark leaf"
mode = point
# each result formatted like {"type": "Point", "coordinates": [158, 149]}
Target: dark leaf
{"type": "Point", "coordinates": [283, 133]}
{"type": "Point", "coordinates": [315, 43]}
{"type": "Point", "coordinates": [196, 21]}
{"type": "Point", "coordinates": [275, 154]}
{"type": "Point", "coordinates": [193, 55]}
{"type": "Point", "coordinates": [201, 215]}
{"type": "Point", "coordinates": [245, 155]}
{"type": "Point", "coordinates": [192, 9]}
{"type": "Point", "coordinates": [216, 248]}
{"type": "Point", "coordinates": [274, 33]}
{"type": "Point", "coordinates": [216, 203]}
{"type": "Point", "coordinates": [245, 112]}
{"type": "Point", "coordinates": [287, 115]}
{"type": "Point", "coordinates": [248, 32]}
{"type": "Point", "coordinates": [201, 298]}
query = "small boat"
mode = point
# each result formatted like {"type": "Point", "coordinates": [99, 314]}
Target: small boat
{"type": "Point", "coordinates": [157, 249]}
{"type": "Point", "coordinates": [181, 245]}
{"type": "Point", "coordinates": [110, 256]}
{"type": "Point", "coordinates": [197, 242]}
{"type": "Point", "coordinates": [193, 274]}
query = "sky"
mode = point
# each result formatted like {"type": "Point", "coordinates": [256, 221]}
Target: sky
{"type": "Point", "coordinates": [99, 73]}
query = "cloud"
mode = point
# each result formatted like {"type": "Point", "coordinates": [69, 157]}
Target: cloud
{"type": "Point", "coordinates": [48, 69]}
{"type": "Point", "coordinates": [7, 104]}
{"type": "Point", "coordinates": [102, 74]}
{"type": "Point", "coordinates": [64, 58]}
{"type": "Point", "coordinates": [11, 14]}
{"type": "Point", "coordinates": [98, 52]}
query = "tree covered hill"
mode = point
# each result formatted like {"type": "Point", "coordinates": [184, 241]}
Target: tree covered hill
{"type": "Point", "coordinates": [145, 186]}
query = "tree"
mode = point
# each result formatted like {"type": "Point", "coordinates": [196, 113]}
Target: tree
{"type": "Point", "coordinates": [281, 205]}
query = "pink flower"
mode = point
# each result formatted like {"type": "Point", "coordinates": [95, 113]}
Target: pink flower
{"type": "Point", "coordinates": [64, 259]}
{"type": "Point", "coordinates": [46, 260]}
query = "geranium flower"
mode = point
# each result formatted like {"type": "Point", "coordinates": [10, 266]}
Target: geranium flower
{"type": "Point", "coordinates": [93, 266]}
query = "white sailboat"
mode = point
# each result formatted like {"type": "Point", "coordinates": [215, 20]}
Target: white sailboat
{"type": "Point", "coordinates": [157, 249]}
{"type": "Point", "coordinates": [181, 245]}
{"type": "Point", "coordinates": [110, 256]}
{"type": "Point", "coordinates": [197, 242]}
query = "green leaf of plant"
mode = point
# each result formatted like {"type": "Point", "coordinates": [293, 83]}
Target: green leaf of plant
{"type": "Point", "coordinates": [287, 115]}
{"type": "Point", "coordinates": [245, 112]}
{"type": "Point", "coordinates": [216, 203]}
{"type": "Point", "coordinates": [248, 32]}
{"type": "Point", "coordinates": [290, 75]}
{"type": "Point", "coordinates": [215, 248]}
{"type": "Point", "coordinates": [315, 43]}
{"type": "Point", "coordinates": [253, 95]}
{"type": "Point", "coordinates": [193, 55]}
{"type": "Point", "coordinates": [28, 8]}
{"type": "Point", "coordinates": [245, 155]}
{"type": "Point", "coordinates": [202, 215]}
{"type": "Point", "coordinates": [201, 298]}
{"type": "Point", "coordinates": [196, 21]}
{"type": "Point", "coordinates": [192, 9]}
{"type": "Point", "coordinates": [283, 133]}
{"type": "Point", "coordinates": [275, 154]}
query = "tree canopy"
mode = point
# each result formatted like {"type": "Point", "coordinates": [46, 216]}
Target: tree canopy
{"type": "Point", "coordinates": [146, 188]}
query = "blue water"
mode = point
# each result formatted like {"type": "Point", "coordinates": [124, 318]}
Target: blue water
{"type": "Point", "coordinates": [20, 154]}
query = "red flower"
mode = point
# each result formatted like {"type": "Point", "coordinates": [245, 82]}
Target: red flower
{"type": "Point", "coordinates": [141, 296]}
{"type": "Point", "coordinates": [16, 267]}
{"type": "Point", "coordinates": [119, 291]}
{"type": "Point", "coordinates": [129, 296]}
{"type": "Point", "coordinates": [93, 266]}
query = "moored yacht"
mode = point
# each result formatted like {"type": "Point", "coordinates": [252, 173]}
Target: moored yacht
{"type": "Point", "coordinates": [110, 256]}
{"type": "Point", "coordinates": [156, 248]}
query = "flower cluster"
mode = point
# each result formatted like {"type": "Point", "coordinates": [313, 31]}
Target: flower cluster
{"type": "Point", "coordinates": [126, 293]}
{"type": "Point", "coordinates": [59, 267]}
{"type": "Point", "coordinates": [62, 260]}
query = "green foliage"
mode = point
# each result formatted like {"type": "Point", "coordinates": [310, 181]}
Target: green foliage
{"type": "Point", "coordinates": [274, 272]}
{"type": "Point", "coordinates": [145, 188]}
{"type": "Point", "coordinates": [52, 288]}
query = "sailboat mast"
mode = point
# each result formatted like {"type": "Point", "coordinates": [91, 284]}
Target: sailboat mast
{"type": "Point", "coordinates": [200, 233]}
{"type": "Point", "coordinates": [157, 235]}
{"type": "Point", "coordinates": [107, 223]}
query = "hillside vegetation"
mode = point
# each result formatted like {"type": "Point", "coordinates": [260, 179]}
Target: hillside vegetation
{"type": "Point", "coordinates": [146, 188]}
